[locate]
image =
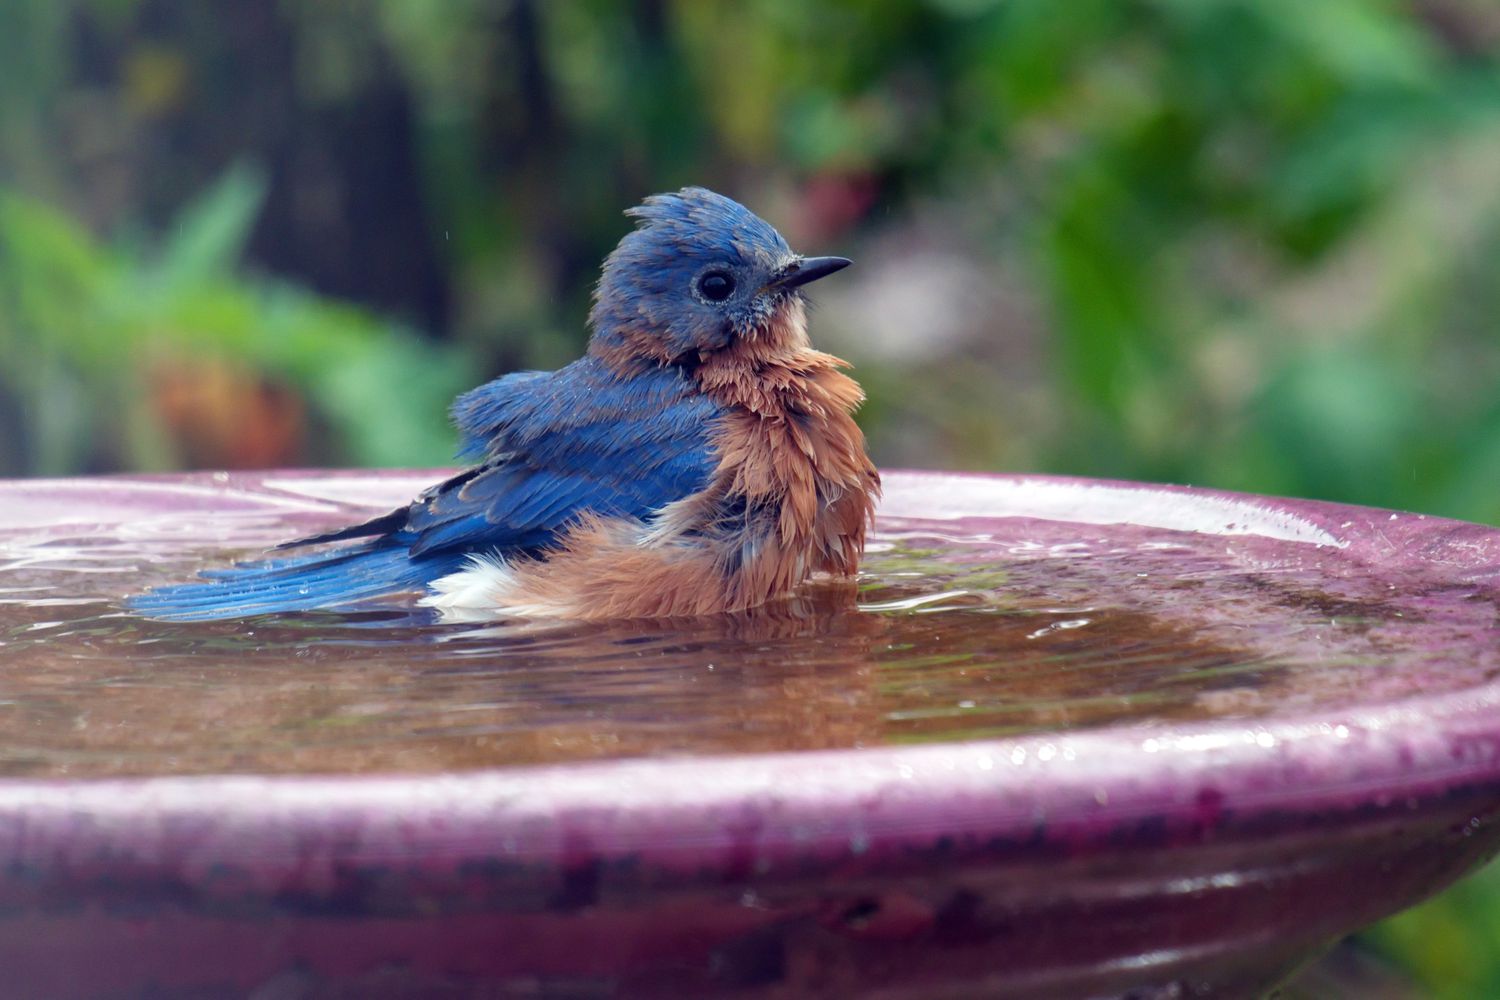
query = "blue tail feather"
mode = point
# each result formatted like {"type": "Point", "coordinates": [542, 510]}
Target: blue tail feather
{"type": "Point", "coordinates": [328, 580]}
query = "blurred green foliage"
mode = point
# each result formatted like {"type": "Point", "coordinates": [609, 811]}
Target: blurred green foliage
{"type": "Point", "coordinates": [1247, 243]}
{"type": "Point", "coordinates": [1448, 945]}
{"type": "Point", "coordinates": [84, 327]}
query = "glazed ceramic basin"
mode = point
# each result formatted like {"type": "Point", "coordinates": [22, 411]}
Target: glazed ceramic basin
{"type": "Point", "coordinates": [1095, 837]}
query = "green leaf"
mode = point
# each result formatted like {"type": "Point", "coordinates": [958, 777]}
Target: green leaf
{"type": "Point", "coordinates": [210, 233]}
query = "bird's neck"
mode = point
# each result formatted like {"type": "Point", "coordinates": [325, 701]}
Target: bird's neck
{"type": "Point", "coordinates": [777, 373]}
{"type": "Point", "coordinates": [789, 447]}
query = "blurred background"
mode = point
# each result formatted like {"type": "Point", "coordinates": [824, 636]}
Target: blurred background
{"type": "Point", "coordinates": [1251, 244]}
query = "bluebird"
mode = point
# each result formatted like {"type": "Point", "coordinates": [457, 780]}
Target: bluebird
{"type": "Point", "coordinates": [701, 457]}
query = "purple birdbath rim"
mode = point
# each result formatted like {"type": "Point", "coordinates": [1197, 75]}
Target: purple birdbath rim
{"type": "Point", "coordinates": [1421, 770]}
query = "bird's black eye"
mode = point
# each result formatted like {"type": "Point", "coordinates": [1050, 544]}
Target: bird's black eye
{"type": "Point", "coordinates": [716, 286]}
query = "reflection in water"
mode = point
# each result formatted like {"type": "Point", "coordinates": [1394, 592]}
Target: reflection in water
{"type": "Point", "coordinates": [1005, 626]}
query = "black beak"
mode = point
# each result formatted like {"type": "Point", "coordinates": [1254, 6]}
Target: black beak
{"type": "Point", "coordinates": [804, 269]}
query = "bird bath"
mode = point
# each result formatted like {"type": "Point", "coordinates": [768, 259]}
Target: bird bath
{"type": "Point", "coordinates": [1069, 738]}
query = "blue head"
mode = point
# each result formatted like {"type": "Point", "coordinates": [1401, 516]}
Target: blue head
{"type": "Point", "coordinates": [699, 272]}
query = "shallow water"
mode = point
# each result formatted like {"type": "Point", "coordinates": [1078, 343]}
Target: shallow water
{"type": "Point", "coordinates": [957, 629]}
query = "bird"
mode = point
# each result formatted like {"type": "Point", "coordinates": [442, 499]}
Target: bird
{"type": "Point", "coordinates": [700, 457]}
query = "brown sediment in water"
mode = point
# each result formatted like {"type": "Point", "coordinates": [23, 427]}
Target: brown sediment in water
{"type": "Point", "coordinates": [938, 649]}
{"type": "Point", "coordinates": [959, 629]}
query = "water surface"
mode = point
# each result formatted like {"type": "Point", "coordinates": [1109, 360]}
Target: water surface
{"type": "Point", "coordinates": [958, 628]}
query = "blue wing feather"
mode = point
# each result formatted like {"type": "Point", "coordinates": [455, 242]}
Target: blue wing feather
{"type": "Point", "coordinates": [321, 580]}
{"type": "Point", "coordinates": [559, 444]}
{"type": "Point", "coordinates": [551, 446]}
